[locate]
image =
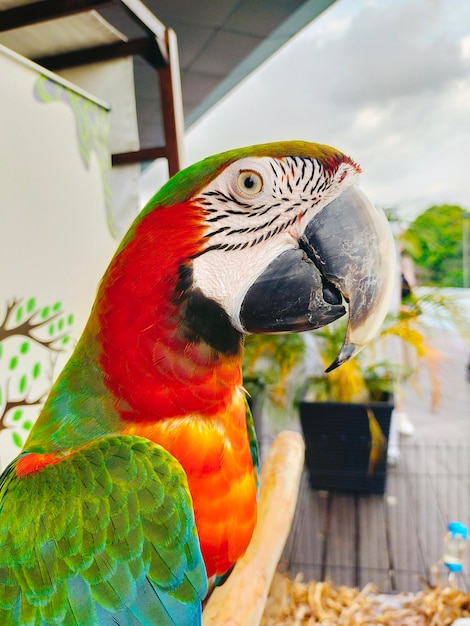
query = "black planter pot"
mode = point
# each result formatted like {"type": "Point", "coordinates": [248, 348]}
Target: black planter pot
{"type": "Point", "coordinates": [338, 445]}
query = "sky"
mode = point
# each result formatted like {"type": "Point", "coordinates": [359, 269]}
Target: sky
{"type": "Point", "coordinates": [385, 81]}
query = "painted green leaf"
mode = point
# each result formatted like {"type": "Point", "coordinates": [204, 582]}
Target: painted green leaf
{"type": "Point", "coordinates": [51, 329]}
{"type": "Point", "coordinates": [27, 425]}
{"type": "Point", "coordinates": [36, 370]}
{"type": "Point", "coordinates": [45, 312]}
{"type": "Point", "coordinates": [56, 306]}
{"type": "Point", "coordinates": [70, 319]}
{"type": "Point", "coordinates": [65, 340]}
{"type": "Point", "coordinates": [30, 305]}
{"type": "Point", "coordinates": [23, 383]}
{"type": "Point", "coordinates": [24, 347]}
{"type": "Point", "coordinates": [19, 313]}
{"type": "Point", "coordinates": [60, 324]}
{"type": "Point", "coordinates": [17, 440]}
{"type": "Point", "coordinates": [17, 415]}
{"type": "Point", "coordinates": [1, 350]}
{"type": "Point", "coordinates": [13, 362]}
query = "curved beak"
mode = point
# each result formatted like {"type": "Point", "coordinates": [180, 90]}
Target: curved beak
{"type": "Point", "coordinates": [354, 248]}
{"type": "Point", "coordinates": [346, 254]}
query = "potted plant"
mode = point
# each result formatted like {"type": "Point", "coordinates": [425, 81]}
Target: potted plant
{"type": "Point", "coordinates": [345, 417]}
{"type": "Point", "coordinates": [346, 414]}
{"type": "Point", "coordinates": [271, 366]}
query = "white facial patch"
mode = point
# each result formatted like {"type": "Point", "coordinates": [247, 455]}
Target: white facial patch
{"type": "Point", "coordinates": [257, 208]}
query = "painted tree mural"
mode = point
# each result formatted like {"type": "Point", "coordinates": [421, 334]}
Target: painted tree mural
{"type": "Point", "coordinates": [32, 337]}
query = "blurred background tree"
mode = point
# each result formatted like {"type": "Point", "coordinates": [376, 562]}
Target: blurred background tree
{"type": "Point", "coordinates": [434, 241]}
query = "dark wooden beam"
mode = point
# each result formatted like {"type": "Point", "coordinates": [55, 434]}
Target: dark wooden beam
{"type": "Point", "coordinates": [44, 10]}
{"type": "Point", "coordinates": [145, 47]}
{"type": "Point", "coordinates": [172, 113]}
{"type": "Point", "coordinates": [139, 156]}
{"type": "Point", "coordinates": [172, 105]}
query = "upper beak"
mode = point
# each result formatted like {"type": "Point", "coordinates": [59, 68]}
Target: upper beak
{"type": "Point", "coordinates": [354, 248]}
{"type": "Point", "coordinates": [346, 252]}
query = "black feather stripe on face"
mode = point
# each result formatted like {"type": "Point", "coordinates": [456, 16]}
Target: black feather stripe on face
{"type": "Point", "coordinates": [202, 319]}
{"type": "Point", "coordinates": [295, 182]}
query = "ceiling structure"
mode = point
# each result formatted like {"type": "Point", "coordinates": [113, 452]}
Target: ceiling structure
{"type": "Point", "coordinates": [219, 42]}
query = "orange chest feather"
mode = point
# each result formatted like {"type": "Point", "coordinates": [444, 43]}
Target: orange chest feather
{"type": "Point", "coordinates": [215, 454]}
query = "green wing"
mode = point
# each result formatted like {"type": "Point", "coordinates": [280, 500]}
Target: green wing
{"type": "Point", "coordinates": [254, 450]}
{"type": "Point", "coordinates": [105, 536]}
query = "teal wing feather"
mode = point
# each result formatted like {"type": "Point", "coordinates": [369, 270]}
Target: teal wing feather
{"type": "Point", "coordinates": [104, 536]}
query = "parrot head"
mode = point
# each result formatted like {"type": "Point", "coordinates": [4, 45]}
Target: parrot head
{"type": "Point", "coordinates": [288, 243]}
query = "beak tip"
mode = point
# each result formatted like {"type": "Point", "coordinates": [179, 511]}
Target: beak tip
{"type": "Point", "coordinates": [348, 350]}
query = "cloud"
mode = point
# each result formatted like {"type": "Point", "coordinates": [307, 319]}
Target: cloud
{"type": "Point", "coordinates": [389, 50]}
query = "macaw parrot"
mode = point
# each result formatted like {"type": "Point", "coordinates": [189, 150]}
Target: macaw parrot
{"type": "Point", "coordinates": [138, 481]}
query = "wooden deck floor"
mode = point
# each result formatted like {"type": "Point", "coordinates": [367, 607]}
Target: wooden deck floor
{"type": "Point", "coordinates": [395, 540]}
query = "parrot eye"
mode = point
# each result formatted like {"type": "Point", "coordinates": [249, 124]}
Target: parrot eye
{"type": "Point", "coordinates": [249, 182]}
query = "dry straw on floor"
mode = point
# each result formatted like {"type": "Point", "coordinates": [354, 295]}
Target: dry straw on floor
{"type": "Point", "coordinates": [299, 603]}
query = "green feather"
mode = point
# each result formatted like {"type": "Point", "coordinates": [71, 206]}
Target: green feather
{"type": "Point", "coordinates": [56, 608]}
{"type": "Point", "coordinates": [117, 590]}
{"type": "Point", "coordinates": [8, 589]}
{"type": "Point", "coordinates": [250, 425]}
{"type": "Point", "coordinates": [116, 530]}
{"type": "Point", "coordinates": [29, 615]}
{"type": "Point", "coordinates": [80, 604]}
{"type": "Point", "coordinates": [71, 542]}
{"type": "Point", "coordinates": [167, 567]}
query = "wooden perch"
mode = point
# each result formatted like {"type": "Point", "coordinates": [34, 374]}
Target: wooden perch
{"type": "Point", "coordinates": [241, 600]}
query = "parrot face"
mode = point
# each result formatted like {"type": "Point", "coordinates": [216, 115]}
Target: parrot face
{"type": "Point", "coordinates": [288, 241]}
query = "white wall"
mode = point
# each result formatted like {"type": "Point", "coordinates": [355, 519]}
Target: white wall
{"type": "Point", "coordinates": [54, 239]}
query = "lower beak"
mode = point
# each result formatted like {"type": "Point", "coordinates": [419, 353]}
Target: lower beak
{"type": "Point", "coordinates": [346, 254]}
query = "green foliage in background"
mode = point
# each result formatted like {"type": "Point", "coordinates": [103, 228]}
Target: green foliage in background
{"type": "Point", "coordinates": [434, 243]}
{"type": "Point", "coordinates": [272, 367]}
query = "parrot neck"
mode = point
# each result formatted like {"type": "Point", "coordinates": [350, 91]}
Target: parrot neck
{"type": "Point", "coordinates": [167, 350]}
